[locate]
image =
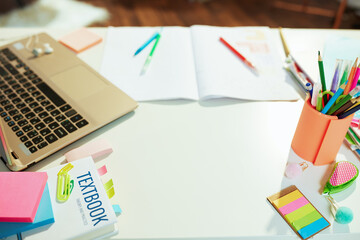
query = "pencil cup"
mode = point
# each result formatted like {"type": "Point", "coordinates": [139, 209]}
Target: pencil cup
{"type": "Point", "coordinates": [318, 137]}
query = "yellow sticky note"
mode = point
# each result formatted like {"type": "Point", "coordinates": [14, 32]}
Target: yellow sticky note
{"type": "Point", "coordinates": [108, 185]}
{"type": "Point", "coordinates": [287, 199]}
{"type": "Point", "coordinates": [110, 192]}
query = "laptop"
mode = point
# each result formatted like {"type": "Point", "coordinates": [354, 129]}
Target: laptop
{"type": "Point", "coordinates": [50, 101]}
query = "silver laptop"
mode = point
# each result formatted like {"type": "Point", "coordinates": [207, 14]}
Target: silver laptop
{"type": "Point", "coordinates": [50, 101]}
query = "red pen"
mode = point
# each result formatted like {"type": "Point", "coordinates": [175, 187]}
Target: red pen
{"type": "Point", "coordinates": [249, 64]}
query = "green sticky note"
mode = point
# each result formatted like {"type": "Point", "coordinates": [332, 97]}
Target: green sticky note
{"type": "Point", "coordinates": [108, 185]}
{"type": "Point", "coordinates": [308, 219]}
{"type": "Point", "coordinates": [300, 213]}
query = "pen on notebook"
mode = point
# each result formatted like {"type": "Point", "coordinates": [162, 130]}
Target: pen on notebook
{"type": "Point", "coordinates": [148, 59]}
{"type": "Point", "coordinates": [350, 78]}
{"type": "Point", "coordinates": [247, 63]}
{"type": "Point", "coordinates": [146, 43]}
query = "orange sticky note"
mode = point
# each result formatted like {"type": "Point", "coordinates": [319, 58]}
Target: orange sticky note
{"type": "Point", "coordinates": [21, 193]}
{"type": "Point", "coordinates": [80, 40]}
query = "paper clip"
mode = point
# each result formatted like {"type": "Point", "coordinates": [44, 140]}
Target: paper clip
{"type": "Point", "coordinates": [64, 185]}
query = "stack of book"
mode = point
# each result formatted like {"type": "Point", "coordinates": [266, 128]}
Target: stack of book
{"type": "Point", "coordinates": [29, 207]}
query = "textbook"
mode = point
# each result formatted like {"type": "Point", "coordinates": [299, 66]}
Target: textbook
{"type": "Point", "coordinates": [87, 214]}
{"type": "Point", "coordinates": [192, 63]}
{"type": "Point", "coordinates": [21, 193]}
{"type": "Point", "coordinates": [44, 216]}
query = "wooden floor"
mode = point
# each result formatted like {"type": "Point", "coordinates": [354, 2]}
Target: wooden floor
{"type": "Point", "coordinates": [220, 13]}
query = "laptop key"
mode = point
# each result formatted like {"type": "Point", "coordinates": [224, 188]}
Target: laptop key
{"type": "Point", "coordinates": [28, 144]}
{"type": "Point", "coordinates": [65, 108]}
{"type": "Point", "coordinates": [60, 132]}
{"type": "Point", "coordinates": [53, 125]}
{"type": "Point", "coordinates": [11, 123]}
{"type": "Point", "coordinates": [68, 126]}
{"type": "Point", "coordinates": [30, 115]}
{"type": "Point", "coordinates": [27, 128]}
{"type": "Point", "coordinates": [37, 140]}
{"type": "Point", "coordinates": [19, 133]}
{"type": "Point", "coordinates": [42, 145]}
{"type": "Point", "coordinates": [11, 69]}
{"type": "Point", "coordinates": [18, 117]}
{"type": "Point", "coordinates": [50, 108]}
{"type": "Point", "coordinates": [20, 105]}
{"type": "Point", "coordinates": [22, 123]}
{"type": "Point", "coordinates": [38, 109]}
{"type": "Point", "coordinates": [43, 115]}
{"type": "Point", "coordinates": [39, 126]}
{"type": "Point", "coordinates": [15, 128]}
{"type": "Point", "coordinates": [24, 138]}
{"type": "Point", "coordinates": [6, 119]}
{"type": "Point", "coordinates": [51, 138]}
{"type": "Point", "coordinates": [82, 123]}
{"type": "Point", "coordinates": [76, 118]}
{"type": "Point", "coordinates": [60, 118]}
{"type": "Point", "coordinates": [45, 131]}
{"type": "Point", "coordinates": [34, 120]}
{"type": "Point", "coordinates": [32, 149]}
{"type": "Point", "coordinates": [53, 96]}
{"type": "Point", "coordinates": [33, 104]}
{"type": "Point", "coordinates": [70, 113]}
{"type": "Point", "coordinates": [32, 134]}
{"type": "Point", "coordinates": [48, 120]}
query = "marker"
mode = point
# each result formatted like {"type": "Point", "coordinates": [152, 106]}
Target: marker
{"type": "Point", "coordinates": [351, 77]}
{"type": "Point", "coordinates": [309, 88]}
{"type": "Point", "coordinates": [148, 59]}
{"type": "Point", "coordinates": [319, 102]}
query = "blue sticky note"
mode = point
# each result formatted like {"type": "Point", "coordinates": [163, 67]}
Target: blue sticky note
{"type": "Point", "coordinates": [313, 228]}
{"type": "Point", "coordinates": [117, 209]}
{"type": "Point", "coordinates": [44, 215]}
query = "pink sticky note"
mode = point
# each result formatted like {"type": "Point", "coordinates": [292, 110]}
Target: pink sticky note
{"type": "Point", "coordinates": [21, 193]}
{"type": "Point", "coordinates": [102, 170]}
{"type": "Point", "coordinates": [94, 149]}
{"type": "Point", "coordinates": [80, 40]}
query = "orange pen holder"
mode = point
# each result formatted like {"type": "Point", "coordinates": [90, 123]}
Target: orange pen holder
{"type": "Point", "coordinates": [318, 137]}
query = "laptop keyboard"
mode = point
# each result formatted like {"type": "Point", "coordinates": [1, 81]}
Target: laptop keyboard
{"type": "Point", "coordinates": [35, 112]}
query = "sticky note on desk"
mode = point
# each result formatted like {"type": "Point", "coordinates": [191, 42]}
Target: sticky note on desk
{"type": "Point", "coordinates": [80, 40]}
{"type": "Point", "coordinates": [21, 193]}
{"type": "Point", "coordinates": [298, 212]}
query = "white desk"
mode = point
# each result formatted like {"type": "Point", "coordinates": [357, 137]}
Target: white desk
{"type": "Point", "coordinates": [185, 169]}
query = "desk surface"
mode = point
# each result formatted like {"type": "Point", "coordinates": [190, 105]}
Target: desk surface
{"type": "Point", "coordinates": [187, 169]}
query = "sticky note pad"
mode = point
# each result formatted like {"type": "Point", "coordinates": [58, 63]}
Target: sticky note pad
{"type": "Point", "coordinates": [44, 216]}
{"type": "Point", "coordinates": [21, 193]}
{"type": "Point", "coordinates": [298, 212]}
{"type": "Point", "coordinates": [80, 40]}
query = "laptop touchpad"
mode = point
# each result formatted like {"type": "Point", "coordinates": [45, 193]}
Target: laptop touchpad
{"type": "Point", "coordinates": [78, 82]}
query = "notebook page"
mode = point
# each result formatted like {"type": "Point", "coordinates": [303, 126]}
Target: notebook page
{"type": "Point", "coordinates": [171, 72]}
{"type": "Point", "coordinates": [220, 73]}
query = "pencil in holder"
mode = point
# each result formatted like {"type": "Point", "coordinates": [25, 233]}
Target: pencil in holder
{"type": "Point", "coordinates": [318, 137]}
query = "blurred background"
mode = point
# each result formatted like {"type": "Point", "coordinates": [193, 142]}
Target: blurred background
{"type": "Point", "coordinates": [343, 14]}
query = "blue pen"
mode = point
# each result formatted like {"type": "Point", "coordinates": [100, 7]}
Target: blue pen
{"type": "Point", "coordinates": [146, 43]}
{"type": "Point", "coordinates": [333, 99]}
{"type": "Point", "coordinates": [309, 88]}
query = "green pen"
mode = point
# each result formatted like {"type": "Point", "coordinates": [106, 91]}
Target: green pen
{"type": "Point", "coordinates": [344, 76]}
{"type": "Point", "coordinates": [148, 59]}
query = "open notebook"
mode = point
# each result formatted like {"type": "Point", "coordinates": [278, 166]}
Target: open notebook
{"type": "Point", "coordinates": [191, 63]}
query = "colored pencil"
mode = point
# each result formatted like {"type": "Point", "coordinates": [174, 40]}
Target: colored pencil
{"type": "Point", "coordinates": [347, 106]}
{"type": "Point", "coordinates": [237, 53]}
{"type": "Point", "coordinates": [350, 78]}
{"type": "Point", "coordinates": [335, 80]}
{"type": "Point", "coordinates": [356, 77]}
{"type": "Point", "coordinates": [321, 70]}
{"type": "Point", "coordinates": [333, 99]}
{"type": "Point", "coordinates": [347, 113]}
{"type": "Point", "coordinates": [343, 101]}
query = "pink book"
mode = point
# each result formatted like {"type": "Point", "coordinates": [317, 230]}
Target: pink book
{"type": "Point", "coordinates": [21, 193]}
